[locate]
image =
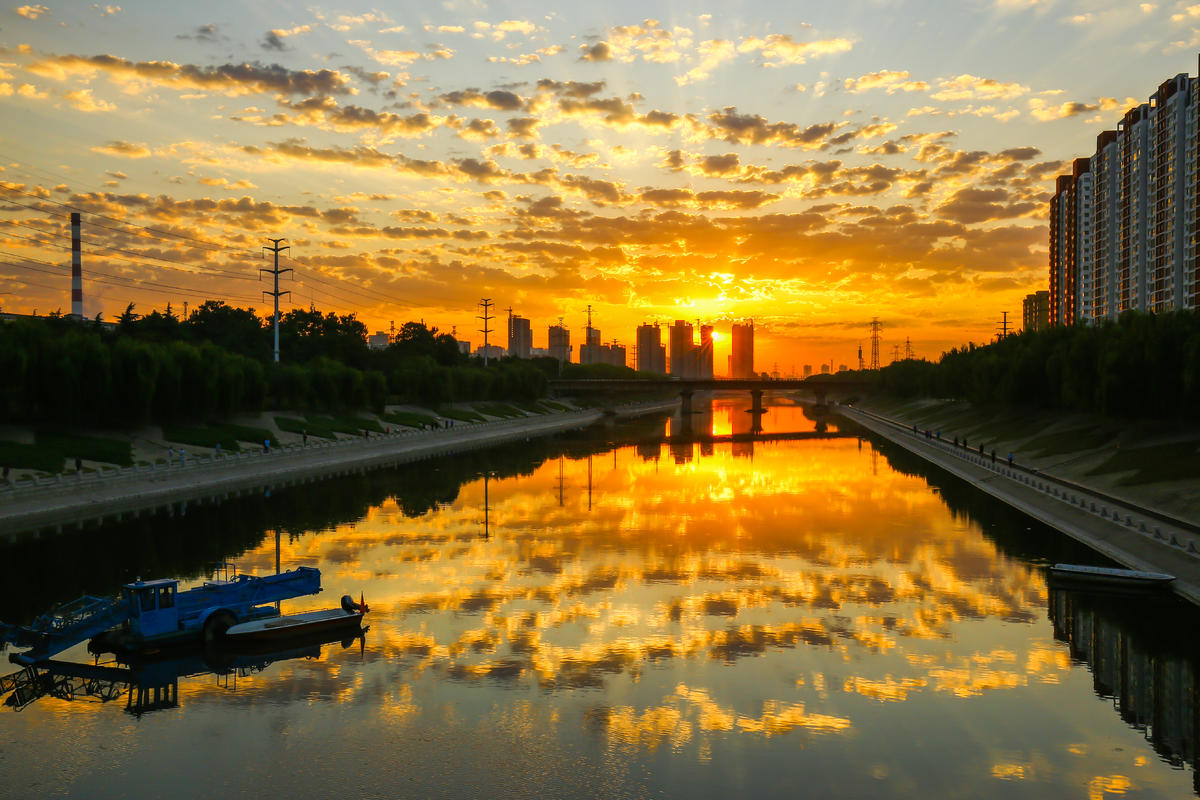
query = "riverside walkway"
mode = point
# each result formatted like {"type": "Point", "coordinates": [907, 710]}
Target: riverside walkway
{"type": "Point", "coordinates": [1132, 535]}
{"type": "Point", "coordinates": [110, 494]}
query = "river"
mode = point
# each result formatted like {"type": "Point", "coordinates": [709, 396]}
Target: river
{"type": "Point", "coordinates": [611, 614]}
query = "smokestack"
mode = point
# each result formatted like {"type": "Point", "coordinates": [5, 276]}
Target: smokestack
{"type": "Point", "coordinates": [76, 269]}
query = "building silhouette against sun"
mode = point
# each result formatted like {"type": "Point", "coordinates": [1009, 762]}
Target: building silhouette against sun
{"type": "Point", "coordinates": [741, 356]}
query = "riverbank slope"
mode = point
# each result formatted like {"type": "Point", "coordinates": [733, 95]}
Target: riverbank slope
{"type": "Point", "coordinates": [1128, 533]}
{"type": "Point", "coordinates": [34, 504]}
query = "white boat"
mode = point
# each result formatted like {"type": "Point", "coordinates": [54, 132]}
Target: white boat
{"type": "Point", "coordinates": [1108, 576]}
{"type": "Point", "coordinates": [327, 620]}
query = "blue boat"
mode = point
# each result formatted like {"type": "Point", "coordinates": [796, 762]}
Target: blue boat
{"type": "Point", "coordinates": [152, 614]}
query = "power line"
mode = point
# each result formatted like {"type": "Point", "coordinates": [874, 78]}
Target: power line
{"type": "Point", "coordinates": [110, 279]}
{"type": "Point", "coordinates": [191, 271]}
{"type": "Point", "coordinates": [161, 233]}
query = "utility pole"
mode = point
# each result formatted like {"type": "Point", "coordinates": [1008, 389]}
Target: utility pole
{"type": "Point", "coordinates": [1003, 325]}
{"type": "Point", "coordinates": [875, 328]}
{"type": "Point", "coordinates": [275, 272]}
{"type": "Point", "coordinates": [860, 358]}
{"type": "Point", "coordinates": [485, 330]}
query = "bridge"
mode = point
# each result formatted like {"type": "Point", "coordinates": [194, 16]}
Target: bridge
{"type": "Point", "coordinates": [820, 385]}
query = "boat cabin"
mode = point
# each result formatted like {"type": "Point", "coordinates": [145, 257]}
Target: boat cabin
{"type": "Point", "coordinates": [152, 608]}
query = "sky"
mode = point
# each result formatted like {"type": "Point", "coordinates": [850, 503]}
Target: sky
{"type": "Point", "coordinates": [810, 166]}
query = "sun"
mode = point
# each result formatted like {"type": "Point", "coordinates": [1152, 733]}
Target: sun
{"type": "Point", "coordinates": [717, 336]}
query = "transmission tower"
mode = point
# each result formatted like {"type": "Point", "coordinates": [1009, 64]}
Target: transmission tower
{"type": "Point", "coordinates": [1003, 326]}
{"type": "Point", "coordinates": [875, 328]}
{"type": "Point", "coordinates": [860, 358]}
{"type": "Point", "coordinates": [487, 304]}
{"type": "Point", "coordinates": [895, 353]}
{"type": "Point", "coordinates": [275, 272]}
{"type": "Point", "coordinates": [907, 348]}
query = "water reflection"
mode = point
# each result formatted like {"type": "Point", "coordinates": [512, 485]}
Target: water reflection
{"type": "Point", "coordinates": [627, 614]}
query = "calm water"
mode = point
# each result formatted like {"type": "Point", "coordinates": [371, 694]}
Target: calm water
{"type": "Point", "coordinates": [623, 618]}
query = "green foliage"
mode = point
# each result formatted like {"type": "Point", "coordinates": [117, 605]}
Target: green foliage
{"type": "Point", "coordinates": [30, 456]}
{"type": "Point", "coordinates": [604, 371]}
{"type": "Point", "coordinates": [293, 425]}
{"type": "Point", "coordinates": [499, 410]}
{"type": "Point", "coordinates": [90, 448]}
{"type": "Point", "coordinates": [159, 368]}
{"type": "Point", "coordinates": [1165, 462]}
{"type": "Point", "coordinates": [1141, 365]}
{"type": "Point", "coordinates": [349, 425]}
{"type": "Point", "coordinates": [409, 419]}
{"type": "Point", "coordinates": [201, 436]}
{"type": "Point", "coordinates": [460, 414]}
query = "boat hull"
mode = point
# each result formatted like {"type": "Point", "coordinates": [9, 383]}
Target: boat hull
{"type": "Point", "coordinates": [1107, 577]}
{"type": "Point", "coordinates": [295, 625]}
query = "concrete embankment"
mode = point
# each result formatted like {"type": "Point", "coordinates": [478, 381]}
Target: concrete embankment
{"type": "Point", "coordinates": [1137, 537]}
{"type": "Point", "coordinates": [111, 494]}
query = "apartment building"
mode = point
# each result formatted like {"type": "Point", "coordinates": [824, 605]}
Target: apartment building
{"type": "Point", "coordinates": [1123, 223]}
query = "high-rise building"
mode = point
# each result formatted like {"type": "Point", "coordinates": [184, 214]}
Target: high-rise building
{"type": "Point", "coordinates": [651, 354]}
{"type": "Point", "coordinates": [559, 343]}
{"type": "Point", "coordinates": [1122, 224]}
{"type": "Point", "coordinates": [682, 350]}
{"type": "Point", "coordinates": [704, 358]}
{"type": "Point", "coordinates": [1035, 311]}
{"type": "Point", "coordinates": [807, 370]}
{"type": "Point", "coordinates": [520, 337]}
{"type": "Point", "coordinates": [741, 358]}
{"type": "Point", "coordinates": [1071, 245]}
{"type": "Point", "coordinates": [590, 351]}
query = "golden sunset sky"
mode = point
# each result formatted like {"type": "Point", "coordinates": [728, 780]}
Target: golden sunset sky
{"type": "Point", "coordinates": [807, 165]}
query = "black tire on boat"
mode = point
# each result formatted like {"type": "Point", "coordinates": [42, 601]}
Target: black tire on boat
{"type": "Point", "coordinates": [216, 625]}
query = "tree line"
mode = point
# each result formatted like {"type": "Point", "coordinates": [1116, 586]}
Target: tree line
{"type": "Point", "coordinates": [218, 361]}
{"type": "Point", "coordinates": [1140, 365]}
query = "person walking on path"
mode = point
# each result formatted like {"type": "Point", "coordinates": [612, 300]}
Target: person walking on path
{"type": "Point", "coordinates": [266, 446]}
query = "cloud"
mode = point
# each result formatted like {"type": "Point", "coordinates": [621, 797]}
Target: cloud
{"type": "Point", "coordinates": [274, 39]}
{"type": "Point", "coordinates": [106, 11]}
{"type": "Point", "coordinates": [402, 58]}
{"type": "Point", "coordinates": [228, 79]}
{"type": "Point", "coordinates": [1048, 113]}
{"type": "Point", "coordinates": [713, 53]}
{"type": "Point", "coordinates": [600, 51]}
{"type": "Point", "coordinates": [733, 127]}
{"type": "Point", "coordinates": [971, 87]}
{"type": "Point", "coordinates": [686, 198]}
{"type": "Point", "coordinates": [650, 41]}
{"type": "Point", "coordinates": [326, 112]}
{"type": "Point", "coordinates": [83, 100]}
{"type": "Point", "coordinates": [499, 99]}
{"type": "Point", "coordinates": [973, 205]}
{"type": "Point", "coordinates": [778, 49]}
{"type": "Point", "coordinates": [31, 12]}
{"type": "Point", "coordinates": [525, 59]}
{"type": "Point", "coordinates": [117, 147]}
{"type": "Point", "coordinates": [205, 33]}
{"type": "Point", "coordinates": [891, 81]}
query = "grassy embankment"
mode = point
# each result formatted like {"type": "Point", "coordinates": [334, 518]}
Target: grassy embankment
{"type": "Point", "coordinates": [1153, 462]}
{"type": "Point", "coordinates": [54, 450]}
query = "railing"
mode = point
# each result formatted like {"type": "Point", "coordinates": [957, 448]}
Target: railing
{"type": "Point", "coordinates": [1162, 527]}
{"type": "Point", "coordinates": [14, 490]}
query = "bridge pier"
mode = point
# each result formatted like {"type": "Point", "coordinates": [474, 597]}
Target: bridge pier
{"type": "Point", "coordinates": [685, 403]}
{"type": "Point", "coordinates": [756, 406]}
